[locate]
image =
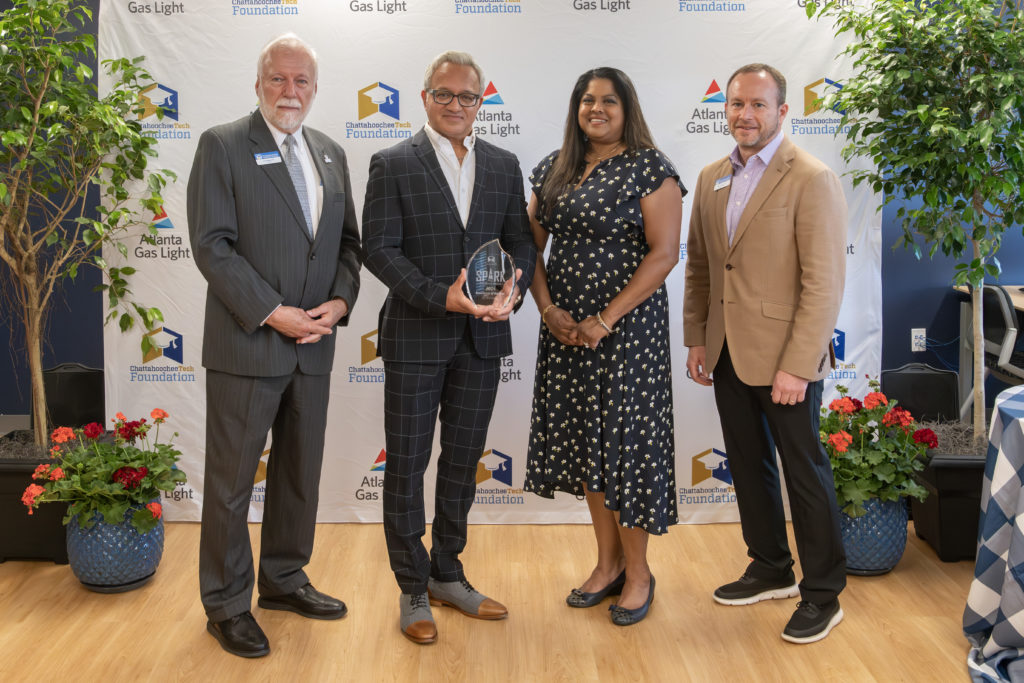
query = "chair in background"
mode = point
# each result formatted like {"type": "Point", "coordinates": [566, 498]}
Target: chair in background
{"type": "Point", "coordinates": [999, 333]}
{"type": "Point", "coordinates": [1000, 328]}
{"type": "Point", "coordinates": [74, 395]}
{"type": "Point", "coordinates": [929, 393]}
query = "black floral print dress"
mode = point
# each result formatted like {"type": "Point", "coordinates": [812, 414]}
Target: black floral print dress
{"type": "Point", "coordinates": [602, 419]}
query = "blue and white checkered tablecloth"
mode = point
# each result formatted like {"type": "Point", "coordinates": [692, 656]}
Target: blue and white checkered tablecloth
{"type": "Point", "coordinates": [994, 616]}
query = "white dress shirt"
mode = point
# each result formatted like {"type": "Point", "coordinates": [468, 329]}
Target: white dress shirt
{"type": "Point", "coordinates": [460, 177]}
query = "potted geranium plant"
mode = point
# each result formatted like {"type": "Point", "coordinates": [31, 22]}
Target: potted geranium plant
{"type": "Point", "coordinates": [112, 483]}
{"type": "Point", "coordinates": [874, 447]}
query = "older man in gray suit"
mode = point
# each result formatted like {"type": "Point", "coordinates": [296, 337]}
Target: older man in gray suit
{"type": "Point", "coordinates": [273, 228]}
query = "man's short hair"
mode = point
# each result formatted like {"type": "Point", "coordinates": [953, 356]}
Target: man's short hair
{"type": "Point", "coordinates": [290, 41]}
{"type": "Point", "coordinates": [780, 80]}
{"type": "Point", "coordinates": [453, 57]}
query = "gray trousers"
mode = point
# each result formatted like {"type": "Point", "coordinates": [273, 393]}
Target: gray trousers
{"type": "Point", "coordinates": [240, 413]}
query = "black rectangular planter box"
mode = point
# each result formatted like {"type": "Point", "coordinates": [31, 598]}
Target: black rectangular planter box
{"type": "Point", "coordinates": [39, 536]}
{"type": "Point", "coordinates": [948, 518]}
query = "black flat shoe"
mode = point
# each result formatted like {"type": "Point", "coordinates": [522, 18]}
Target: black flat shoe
{"type": "Point", "coordinates": [578, 598]}
{"type": "Point", "coordinates": [624, 617]}
{"type": "Point", "coordinates": [307, 601]}
{"type": "Point", "coordinates": [240, 635]}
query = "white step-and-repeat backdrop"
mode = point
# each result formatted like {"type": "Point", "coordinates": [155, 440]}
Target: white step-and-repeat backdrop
{"type": "Point", "coordinates": [202, 55]}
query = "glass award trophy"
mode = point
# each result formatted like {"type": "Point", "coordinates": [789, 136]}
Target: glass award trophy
{"type": "Point", "coordinates": [490, 275]}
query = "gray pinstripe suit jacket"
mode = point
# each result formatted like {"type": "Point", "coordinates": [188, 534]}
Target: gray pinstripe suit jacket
{"type": "Point", "coordinates": [415, 243]}
{"type": "Point", "coordinates": [250, 243]}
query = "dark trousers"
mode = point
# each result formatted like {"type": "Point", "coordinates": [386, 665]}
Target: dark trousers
{"type": "Point", "coordinates": [745, 412]}
{"type": "Point", "coordinates": [240, 413]}
{"type": "Point", "coordinates": [463, 389]}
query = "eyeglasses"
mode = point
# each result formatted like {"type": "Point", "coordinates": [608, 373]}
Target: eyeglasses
{"type": "Point", "coordinates": [466, 99]}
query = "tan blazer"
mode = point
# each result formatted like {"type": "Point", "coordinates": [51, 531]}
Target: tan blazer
{"type": "Point", "coordinates": [775, 293]}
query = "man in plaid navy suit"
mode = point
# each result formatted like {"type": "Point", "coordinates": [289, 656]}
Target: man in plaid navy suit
{"type": "Point", "coordinates": [431, 201]}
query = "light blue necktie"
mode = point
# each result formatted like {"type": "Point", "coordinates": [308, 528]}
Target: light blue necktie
{"type": "Point", "coordinates": [291, 160]}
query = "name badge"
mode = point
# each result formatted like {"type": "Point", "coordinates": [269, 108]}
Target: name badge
{"type": "Point", "coordinates": [723, 182]}
{"type": "Point", "coordinates": [264, 158]}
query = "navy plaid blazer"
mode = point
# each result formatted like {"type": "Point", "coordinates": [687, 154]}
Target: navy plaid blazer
{"type": "Point", "coordinates": [415, 243]}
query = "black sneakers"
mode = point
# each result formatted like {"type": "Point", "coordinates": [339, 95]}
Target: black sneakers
{"type": "Point", "coordinates": [811, 622]}
{"type": "Point", "coordinates": [750, 589]}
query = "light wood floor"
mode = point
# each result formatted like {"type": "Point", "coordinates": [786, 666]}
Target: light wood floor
{"type": "Point", "coordinates": [904, 626]}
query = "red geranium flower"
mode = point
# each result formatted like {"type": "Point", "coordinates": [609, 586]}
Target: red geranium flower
{"type": "Point", "coordinates": [897, 416]}
{"type": "Point", "coordinates": [156, 509]}
{"type": "Point", "coordinates": [130, 477]}
{"type": "Point", "coordinates": [42, 472]}
{"type": "Point", "coordinates": [93, 430]}
{"type": "Point", "coordinates": [927, 437]}
{"type": "Point", "coordinates": [129, 431]}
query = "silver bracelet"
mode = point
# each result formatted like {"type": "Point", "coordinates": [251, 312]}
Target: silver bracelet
{"type": "Point", "coordinates": [601, 323]}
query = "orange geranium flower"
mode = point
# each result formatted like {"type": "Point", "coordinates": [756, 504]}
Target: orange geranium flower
{"type": "Point", "coordinates": [121, 417]}
{"type": "Point", "coordinates": [875, 399]}
{"type": "Point", "coordinates": [159, 415]}
{"type": "Point", "coordinates": [156, 509]}
{"type": "Point", "coordinates": [56, 474]}
{"type": "Point", "coordinates": [843, 405]}
{"type": "Point", "coordinates": [32, 492]}
{"type": "Point", "coordinates": [62, 434]}
{"type": "Point", "coordinates": [840, 441]}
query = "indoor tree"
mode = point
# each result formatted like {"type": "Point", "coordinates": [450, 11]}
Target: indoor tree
{"type": "Point", "coordinates": [58, 139]}
{"type": "Point", "coordinates": [934, 103]}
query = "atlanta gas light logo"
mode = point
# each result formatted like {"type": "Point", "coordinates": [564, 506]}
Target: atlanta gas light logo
{"type": "Point", "coordinates": [710, 480]}
{"type": "Point", "coordinates": [165, 245]}
{"type": "Point", "coordinates": [708, 117]}
{"type": "Point", "coordinates": [610, 6]}
{"type": "Point", "coordinates": [492, 121]}
{"type": "Point", "coordinates": [372, 484]}
{"type": "Point", "coordinates": [380, 6]}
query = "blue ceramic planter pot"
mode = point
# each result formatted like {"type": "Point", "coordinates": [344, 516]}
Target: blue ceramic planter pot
{"type": "Point", "coordinates": [875, 542]}
{"type": "Point", "coordinates": [113, 558]}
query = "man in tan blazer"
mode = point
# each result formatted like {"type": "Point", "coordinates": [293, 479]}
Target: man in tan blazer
{"type": "Point", "coordinates": [764, 282]}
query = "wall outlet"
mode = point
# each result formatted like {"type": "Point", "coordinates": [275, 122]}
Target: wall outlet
{"type": "Point", "coordinates": [917, 339]}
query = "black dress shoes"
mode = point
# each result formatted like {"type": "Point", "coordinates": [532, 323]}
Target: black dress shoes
{"type": "Point", "coordinates": [307, 601]}
{"type": "Point", "coordinates": [240, 635]}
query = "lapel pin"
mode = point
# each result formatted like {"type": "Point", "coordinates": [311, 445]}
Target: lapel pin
{"type": "Point", "coordinates": [327, 159]}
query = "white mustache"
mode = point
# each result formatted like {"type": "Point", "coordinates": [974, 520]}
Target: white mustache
{"type": "Point", "coordinates": [289, 102]}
